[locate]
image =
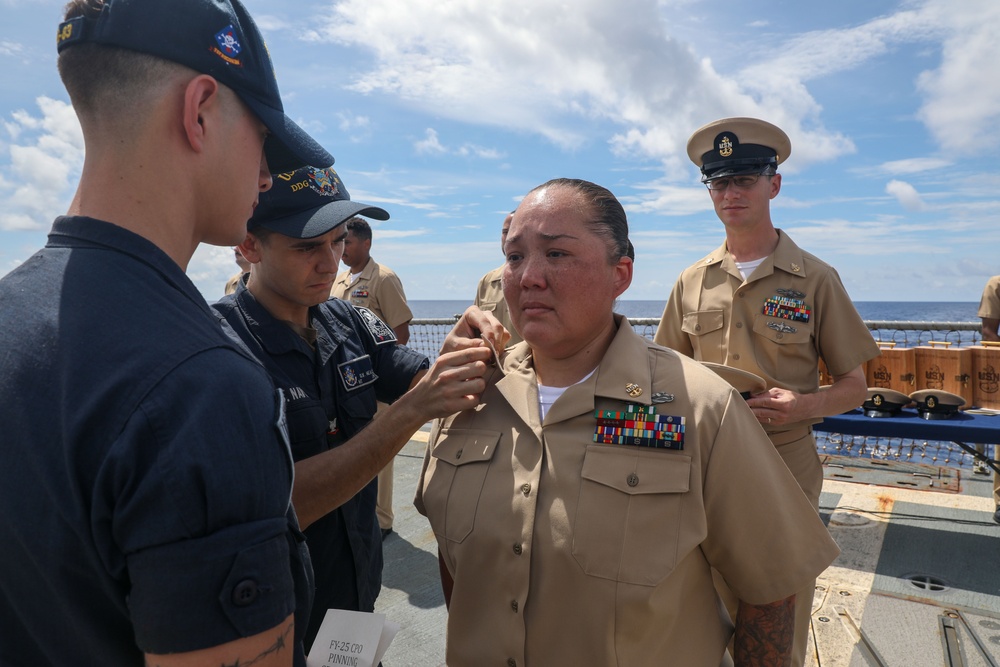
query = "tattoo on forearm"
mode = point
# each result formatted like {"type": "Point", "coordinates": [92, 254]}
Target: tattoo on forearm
{"type": "Point", "coordinates": [764, 634]}
{"type": "Point", "coordinates": [283, 641]}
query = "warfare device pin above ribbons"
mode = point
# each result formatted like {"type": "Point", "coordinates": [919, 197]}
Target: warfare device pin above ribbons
{"type": "Point", "coordinates": [641, 426]}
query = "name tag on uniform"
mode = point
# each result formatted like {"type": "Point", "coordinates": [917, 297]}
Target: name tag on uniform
{"type": "Point", "coordinates": [357, 373]}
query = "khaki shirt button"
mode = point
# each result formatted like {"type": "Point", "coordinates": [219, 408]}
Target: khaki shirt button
{"type": "Point", "coordinates": [526, 489]}
{"type": "Point", "coordinates": [511, 662]}
{"type": "Point", "coordinates": [518, 549]}
{"type": "Point", "coordinates": [740, 295]}
{"type": "Point", "coordinates": [632, 479]}
{"type": "Point", "coordinates": [739, 325]}
{"type": "Point", "coordinates": [458, 454]}
{"type": "Point", "coordinates": [513, 605]}
{"type": "Point", "coordinates": [697, 327]}
{"type": "Point", "coordinates": [780, 335]}
{"type": "Point", "coordinates": [736, 357]}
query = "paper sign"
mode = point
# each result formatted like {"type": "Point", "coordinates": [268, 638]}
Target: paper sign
{"type": "Point", "coordinates": [353, 638]}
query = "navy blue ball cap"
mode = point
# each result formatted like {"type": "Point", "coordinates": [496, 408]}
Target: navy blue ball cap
{"type": "Point", "coordinates": [307, 203]}
{"type": "Point", "coordinates": [735, 146]}
{"type": "Point", "coordinates": [214, 37]}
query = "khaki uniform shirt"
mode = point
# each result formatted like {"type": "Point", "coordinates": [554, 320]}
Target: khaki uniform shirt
{"type": "Point", "coordinates": [715, 315]}
{"type": "Point", "coordinates": [233, 282]}
{"type": "Point", "coordinates": [378, 289]}
{"type": "Point", "coordinates": [489, 297]}
{"type": "Point", "coordinates": [989, 304]}
{"type": "Point", "coordinates": [568, 552]}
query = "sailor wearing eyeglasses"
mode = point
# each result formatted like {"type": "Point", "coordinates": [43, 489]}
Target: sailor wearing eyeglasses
{"type": "Point", "coordinates": [762, 304]}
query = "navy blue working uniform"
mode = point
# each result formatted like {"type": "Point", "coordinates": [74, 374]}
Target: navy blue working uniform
{"type": "Point", "coordinates": [331, 387]}
{"type": "Point", "coordinates": [145, 483]}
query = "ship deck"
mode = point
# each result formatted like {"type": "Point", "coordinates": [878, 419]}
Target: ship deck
{"type": "Point", "coordinates": [917, 582]}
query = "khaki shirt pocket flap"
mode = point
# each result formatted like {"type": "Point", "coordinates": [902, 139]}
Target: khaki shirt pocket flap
{"type": "Point", "coordinates": [488, 306]}
{"type": "Point", "coordinates": [702, 322]}
{"type": "Point", "coordinates": [461, 446]}
{"type": "Point", "coordinates": [637, 473]}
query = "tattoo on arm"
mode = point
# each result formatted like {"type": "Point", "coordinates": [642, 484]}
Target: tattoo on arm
{"type": "Point", "coordinates": [284, 640]}
{"type": "Point", "coordinates": [764, 634]}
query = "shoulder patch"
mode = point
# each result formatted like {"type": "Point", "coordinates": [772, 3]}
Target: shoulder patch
{"type": "Point", "coordinates": [379, 330]}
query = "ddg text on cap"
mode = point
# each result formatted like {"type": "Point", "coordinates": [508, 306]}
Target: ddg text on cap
{"type": "Point", "coordinates": [308, 202]}
{"type": "Point", "coordinates": [214, 37]}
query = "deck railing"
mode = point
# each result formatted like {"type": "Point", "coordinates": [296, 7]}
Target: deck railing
{"type": "Point", "coordinates": [426, 336]}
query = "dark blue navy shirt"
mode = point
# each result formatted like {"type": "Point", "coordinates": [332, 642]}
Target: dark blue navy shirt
{"type": "Point", "coordinates": [145, 486]}
{"type": "Point", "coordinates": [331, 393]}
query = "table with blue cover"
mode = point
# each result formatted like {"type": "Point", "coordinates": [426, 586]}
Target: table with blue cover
{"type": "Point", "coordinates": [961, 428]}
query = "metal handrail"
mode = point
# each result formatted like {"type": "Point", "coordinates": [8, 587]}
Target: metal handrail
{"type": "Point", "coordinates": [427, 334]}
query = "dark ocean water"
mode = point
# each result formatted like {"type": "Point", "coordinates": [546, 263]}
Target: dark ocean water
{"type": "Point", "coordinates": [910, 311]}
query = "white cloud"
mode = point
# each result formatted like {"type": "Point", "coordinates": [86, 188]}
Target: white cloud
{"type": "Point", "coordinates": [46, 155]}
{"type": "Point", "coordinates": [962, 96]}
{"type": "Point", "coordinates": [906, 195]}
{"type": "Point", "coordinates": [357, 128]}
{"type": "Point", "coordinates": [530, 65]}
{"type": "Point", "coordinates": [533, 65]}
{"type": "Point", "coordinates": [479, 151]}
{"type": "Point", "coordinates": [914, 165]}
{"type": "Point", "coordinates": [10, 48]}
{"type": "Point", "coordinates": [383, 233]}
{"type": "Point", "coordinates": [665, 199]}
{"type": "Point", "coordinates": [353, 123]}
{"type": "Point", "coordinates": [430, 143]}
{"type": "Point", "coordinates": [210, 267]}
{"type": "Point", "coordinates": [865, 238]}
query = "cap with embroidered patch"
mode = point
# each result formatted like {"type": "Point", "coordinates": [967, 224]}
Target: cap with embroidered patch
{"type": "Point", "coordinates": [936, 404]}
{"type": "Point", "coordinates": [745, 382]}
{"type": "Point", "coordinates": [308, 202]}
{"type": "Point", "coordinates": [734, 146]}
{"type": "Point", "coordinates": [214, 37]}
{"type": "Point", "coordinates": [882, 402]}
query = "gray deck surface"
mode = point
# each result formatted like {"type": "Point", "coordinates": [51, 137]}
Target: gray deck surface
{"type": "Point", "coordinates": [866, 612]}
{"type": "Point", "coordinates": [411, 586]}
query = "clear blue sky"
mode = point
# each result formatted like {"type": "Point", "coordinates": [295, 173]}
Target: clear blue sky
{"type": "Point", "coordinates": [446, 112]}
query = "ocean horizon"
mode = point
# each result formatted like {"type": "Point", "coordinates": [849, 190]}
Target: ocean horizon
{"type": "Point", "coordinates": [896, 311]}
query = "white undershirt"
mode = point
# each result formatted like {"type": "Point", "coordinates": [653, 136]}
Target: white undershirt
{"type": "Point", "coordinates": [548, 395]}
{"type": "Point", "coordinates": [747, 268]}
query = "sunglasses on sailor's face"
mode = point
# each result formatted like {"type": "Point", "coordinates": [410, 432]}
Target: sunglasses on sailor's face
{"type": "Point", "coordinates": [742, 182]}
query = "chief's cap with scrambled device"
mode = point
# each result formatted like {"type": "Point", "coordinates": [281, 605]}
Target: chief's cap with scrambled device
{"type": "Point", "coordinates": [745, 382]}
{"type": "Point", "coordinates": [734, 146]}
{"type": "Point", "coordinates": [882, 402]}
{"type": "Point", "coordinates": [937, 404]}
{"type": "Point", "coordinates": [308, 202]}
{"type": "Point", "coordinates": [214, 37]}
